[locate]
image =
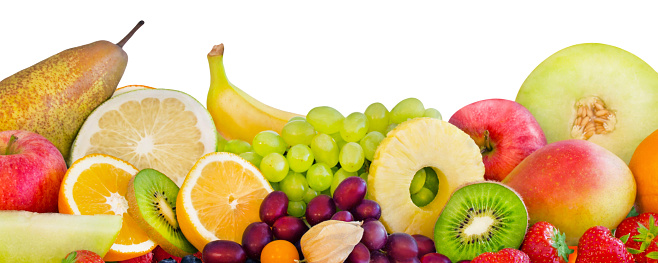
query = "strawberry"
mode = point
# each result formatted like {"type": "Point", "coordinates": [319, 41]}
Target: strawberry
{"type": "Point", "coordinates": [146, 258]}
{"type": "Point", "coordinates": [160, 254]}
{"type": "Point", "coordinates": [506, 255]}
{"type": "Point", "coordinates": [639, 231]}
{"type": "Point", "coordinates": [651, 254]}
{"type": "Point", "coordinates": [83, 256]}
{"type": "Point", "coordinates": [545, 244]}
{"type": "Point", "coordinates": [598, 245]}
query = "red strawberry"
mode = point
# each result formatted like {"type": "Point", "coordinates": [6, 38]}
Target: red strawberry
{"type": "Point", "coordinates": [160, 254]}
{"type": "Point", "coordinates": [146, 258]}
{"type": "Point", "coordinates": [598, 245]}
{"type": "Point", "coordinates": [545, 244]}
{"type": "Point", "coordinates": [639, 232]}
{"type": "Point", "coordinates": [651, 254]}
{"type": "Point", "coordinates": [83, 256]}
{"type": "Point", "coordinates": [506, 255]}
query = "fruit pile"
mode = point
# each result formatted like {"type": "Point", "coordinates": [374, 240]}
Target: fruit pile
{"type": "Point", "coordinates": [91, 173]}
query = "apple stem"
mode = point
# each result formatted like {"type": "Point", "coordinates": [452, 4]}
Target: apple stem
{"type": "Point", "coordinates": [12, 139]}
{"type": "Point", "coordinates": [487, 143]}
{"type": "Point", "coordinates": [130, 34]}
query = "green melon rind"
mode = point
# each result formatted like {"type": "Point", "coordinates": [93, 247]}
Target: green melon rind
{"type": "Point", "coordinates": [627, 85]}
{"type": "Point", "coordinates": [49, 237]}
{"type": "Point", "coordinates": [483, 190]}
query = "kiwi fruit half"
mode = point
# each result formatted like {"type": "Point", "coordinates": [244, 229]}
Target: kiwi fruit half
{"type": "Point", "coordinates": [151, 199]}
{"type": "Point", "coordinates": [480, 217]}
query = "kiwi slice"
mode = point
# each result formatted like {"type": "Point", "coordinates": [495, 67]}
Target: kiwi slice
{"type": "Point", "coordinates": [151, 199]}
{"type": "Point", "coordinates": [480, 217]}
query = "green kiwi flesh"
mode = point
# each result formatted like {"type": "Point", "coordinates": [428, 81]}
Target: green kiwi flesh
{"type": "Point", "coordinates": [480, 217]}
{"type": "Point", "coordinates": [152, 203]}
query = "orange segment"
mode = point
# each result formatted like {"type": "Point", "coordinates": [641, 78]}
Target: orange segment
{"type": "Point", "coordinates": [97, 184]}
{"type": "Point", "coordinates": [219, 198]}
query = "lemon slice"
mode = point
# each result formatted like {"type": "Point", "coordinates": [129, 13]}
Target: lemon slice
{"type": "Point", "coordinates": [411, 146]}
{"type": "Point", "coordinates": [165, 130]}
{"type": "Point", "coordinates": [220, 197]}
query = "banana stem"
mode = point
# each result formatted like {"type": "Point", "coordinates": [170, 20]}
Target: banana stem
{"type": "Point", "coordinates": [216, 63]}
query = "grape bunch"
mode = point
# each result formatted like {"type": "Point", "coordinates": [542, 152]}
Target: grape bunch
{"type": "Point", "coordinates": [313, 155]}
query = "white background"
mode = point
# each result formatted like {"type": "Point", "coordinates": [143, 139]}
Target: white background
{"type": "Point", "coordinates": [296, 55]}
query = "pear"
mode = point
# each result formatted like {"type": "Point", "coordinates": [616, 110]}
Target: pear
{"type": "Point", "coordinates": [54, 97]}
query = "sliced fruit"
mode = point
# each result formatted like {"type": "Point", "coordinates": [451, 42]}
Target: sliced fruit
{"type": "Point", "coordinates": [220, 197]}
{"type": "Point", "coordinates": [124, 89]}
{"type": "Point", "coordinates": [480, 217]}
{"type": "Point", "coordinates": [97, 184]}
{"type": "Point", "coordinates": [49, 237]}
{"type": "Point", "coordinates": [411, 146]}
{"type": "Point", "coordinates": [166, 130]}
{"type": "Point", "coordinates": [594, 92]}
{"type": "Point", "coordinates": [152, 203]}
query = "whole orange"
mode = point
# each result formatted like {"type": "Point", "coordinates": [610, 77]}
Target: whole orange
{"type": "Point", "coordinates": [644, 166]}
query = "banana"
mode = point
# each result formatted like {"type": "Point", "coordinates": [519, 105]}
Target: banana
{"type": "Point", "coordinates": [236, 114]}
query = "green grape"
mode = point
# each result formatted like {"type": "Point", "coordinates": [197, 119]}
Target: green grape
{"type": "Point", "coordinates": [370, 142]}
{"type": "Point", "coordinates": [300, 158]}
{"type": "Point", "coordinates": [275, 186]}
{"type": "Point", "coordinates": [334, 169]}
{"type": "Point", "coordinates": [407, 109]}
{"type": "Point", "coordinates": [432, 113]}
{"type": "Point", "coordinates": [355, 126]}
{"type": "Point", "coordinates": [339, 176]}
{"type": "Point", "coordinates": [325, 149]}
{"type": "Point", "coordinates": [221, 143]}
{"type": "Point", "coordinates": [423, 197]}
{"type": "Point", "coordinates": [296, 208]}
{"type": "Point", "coordinates": [267, 142]}
{"type": "Point", "coordinates": [390, 127]}
{"type": "Point", "coordinates": [377, 115]}
{"type": "Point", "coordinates": [298, 132]}
{"type": "Point", "coordinates": [252, 157]}
{"type": "Point", "coordinates": [297, 118]}
{"type": "Point", "coordinates": [351, 157]}
{"type": "Point", "coordinates": [418, 181]}
{"type": "Point", "coordinates": [310, 194]}
{"type": "Point", "coordinates": [338, 139]}
{"type": "Point", "coordinates": [237, 146]}
{"type": "Point", "coordinates": [294, 185]}
{"type": "Point", "coordinates": [325, 119]}
{"type": "Point", "coordinates": [319, 177]}
{"type": "Point", "coordinates": [274, 167]}
{"type": "Point", "coordinates": [431, 180]}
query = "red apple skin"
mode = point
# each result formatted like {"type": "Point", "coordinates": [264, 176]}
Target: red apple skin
{"type": "Point", "coordinates": [31, 175]}
{"type": "Point", "coordinates": [574, 185]}
{"type": "Point", "coordinates": [514, 133]}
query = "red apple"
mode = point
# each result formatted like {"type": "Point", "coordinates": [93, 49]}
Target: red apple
{"type": "Point", "coordinates": [31, 172]}
{"type": "Point", "coordinates": [505, 131]}
{"type": "Point", "coordinates": [574, 185]}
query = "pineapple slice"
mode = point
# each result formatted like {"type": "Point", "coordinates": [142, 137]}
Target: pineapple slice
{"type": "Point", "coordinates": [411, 146]}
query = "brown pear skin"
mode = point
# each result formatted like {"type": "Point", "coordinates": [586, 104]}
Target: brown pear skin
{"type": "Point", "coordinates": [55, 96]}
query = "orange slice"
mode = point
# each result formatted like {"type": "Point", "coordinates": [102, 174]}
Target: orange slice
{"type": "Point", "coordinates": [97, 184]}
{"type": "Point", "coordinates": [127, 88]}
{"type": "Point", "coordinates": [219, 198]}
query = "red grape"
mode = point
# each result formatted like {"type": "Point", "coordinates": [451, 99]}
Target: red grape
{"type": "Point", "coordinates": [367, 209]}
{"type": "Point", "coordinates": [289, 228]}
{"type": "Point", "coordinates": [378, 257]}
{"type": "Point", "coordinates": [410, 260]}
{"type": "Point", "coordinates": [254, 239]}
{"type": "Point", "coordinates": [374, 235]}
{"type": "Point", "coordinates": [321, 208]}
{"type": "Point", "coordinates": [425, 245]}
{"type": "Point", "coordinates": [223, 251]}
{"type": "Point", "coordinates": [274, 206]}
{"type": "Point", "coordinates": [343, 216]}
{"type": "Point", "coordinates": [350, 192]}
{"type": "Point", "coordinates": [435, 258]}
{"type": "Point", "coordinates": [401, 246]}
{"type": "Point", "coordinates": [360, 254]}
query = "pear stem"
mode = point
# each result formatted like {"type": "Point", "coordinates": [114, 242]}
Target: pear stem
{"type": "Point", "coordinates": [12, 139]}
{"type": "Point", "coordinates": [130, 34]}
{"type": "Point", "coordinates": [487, 143]}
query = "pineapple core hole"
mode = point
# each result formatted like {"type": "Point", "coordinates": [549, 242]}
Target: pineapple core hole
{"type": "Point", "coordinates": [425, 185]}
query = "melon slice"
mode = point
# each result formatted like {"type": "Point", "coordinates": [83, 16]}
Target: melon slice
{"type": "Point", "coordinates": [49, 237]}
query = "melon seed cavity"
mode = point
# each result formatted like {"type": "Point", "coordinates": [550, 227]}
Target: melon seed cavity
{"type": "Point", "coordinates": [592, 117]}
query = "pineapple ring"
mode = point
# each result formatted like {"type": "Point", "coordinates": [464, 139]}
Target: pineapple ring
{"type": "Point", "coordinates": [411, 146]}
